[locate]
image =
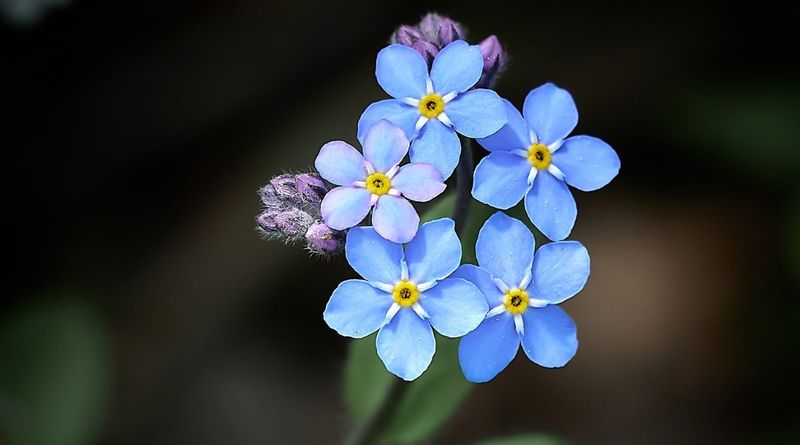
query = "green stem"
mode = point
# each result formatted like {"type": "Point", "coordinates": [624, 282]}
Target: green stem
{"type": "Point", "coordinates": [369, 432]}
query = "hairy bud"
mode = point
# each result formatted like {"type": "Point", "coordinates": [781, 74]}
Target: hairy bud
{"type": "Point", "coordinates": [324, 240]}
{"type": "Point", "coordinates": [494, 61]}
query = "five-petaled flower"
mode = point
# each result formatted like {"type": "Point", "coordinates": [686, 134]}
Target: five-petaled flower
{"type": "Point", "coordinates": [522, 293]}
{"type": "Point", "coordinates": [530, 157]}
{"type": "Point", "coordinates": [430, 109]}
{"type": "Point", "coordinates": [405, 293]}
{"type": "Point", "coordinates": [376, 180]}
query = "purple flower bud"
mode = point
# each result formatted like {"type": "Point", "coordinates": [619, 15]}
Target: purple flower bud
{"type": "Point", "coordinates": [293, 222]}
{"type": "Point", "coordinates": [270, 198]}
{"type": "Point", "coordinates": [285, 187]}
{"type": "Point", "coordinates": [266, 221]}
{"type": "Point", "coordinates": [406, 35]}
{"type": "Point", "coordinates": [427, 50]}
{"type": "Point", "coordinates": [494, 60]}
{"type": "Point", "coordinates": [324, 240]}
{"type": "Point", "coordinates": [311, 187]}
{"type": "Point", "coordinates": [439, 30]}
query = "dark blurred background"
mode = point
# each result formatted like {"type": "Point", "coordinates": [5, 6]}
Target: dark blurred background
{"type": "Point", "coordinates": [140, 306]}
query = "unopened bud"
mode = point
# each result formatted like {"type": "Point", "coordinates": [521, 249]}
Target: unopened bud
{"type": "Point", "coordinates": [311, 187]}
{"type": "Point", "coordinates": [285, 187]}
{"type": "Point", "coordinates": [323, 240]}
{"type": "Point", "coordinates": [266, 221]}
{"type": "Point", "coordinates": [427, 50]}
{"type": "Point", "coordinates": [494, 61]}
{"type": "Point", "coordinates": [406, 35]}
{"type": "Point", "coordinates": [440, 30]}
{"type": "Point", "coordinates": [293, 222]}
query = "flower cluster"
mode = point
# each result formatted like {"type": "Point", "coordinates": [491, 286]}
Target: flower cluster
{"type": "Point", "coordinates": [413, 280]}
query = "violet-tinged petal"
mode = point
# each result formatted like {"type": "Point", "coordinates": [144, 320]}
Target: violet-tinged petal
{"type": "Point", "coordinates": [385, 145]}
{"type": "Point", "coordinates": [340, 163]}
{"type": "Point", "coordinates": [395, 219]}
{"type": "Point", "coordinates": [419, 182]}
{"type": "Point", "coordinates": [344, 207]}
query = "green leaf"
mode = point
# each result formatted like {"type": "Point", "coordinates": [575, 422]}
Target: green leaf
{"type": "Point", "coordinates": [54, 363]}
{"type": "Point", "coordinates": [365, 379]}
{"type": "Point", "coordinates": [526, 439]}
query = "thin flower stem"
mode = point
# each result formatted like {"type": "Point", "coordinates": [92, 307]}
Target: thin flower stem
{"type": "Point", "coordinates": [464, 184]}
{"type": "Point", "coordinates": [369, 433]}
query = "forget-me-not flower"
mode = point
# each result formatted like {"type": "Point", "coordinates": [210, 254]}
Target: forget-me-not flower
{"type": "Point", "coordinates": [405, 293]}
{"type": "Point", "coordinates": [376, 180]}
{"type": "Point", "coordinates": [430, 109]}
{"type": "Point", "coordinates": [522, 291]}
{"type": "Point", "coordinates": [530, 157]}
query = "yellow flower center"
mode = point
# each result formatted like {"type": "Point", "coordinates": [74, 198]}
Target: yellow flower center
{"type": "Point", "coordinates": [431, 105]}
{"type": "Point", "coordinates": [405, 293]}
{"type": "Point", "coordinates": [516, 301]}
{"type": "Point", "coordinates": [378, 184]}
{"type": "Point", "coordinates": [539, 156]}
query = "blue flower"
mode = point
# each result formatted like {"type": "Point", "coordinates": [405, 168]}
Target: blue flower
{"type": "Point", "coordinates": [405, 293]}
{"type": "Point", "coordinates": [430, 109]}
{"type": "Point", "coordinates": [522, 293]}
{"type": "Point", "coordinates": [530, 157]}
{"type": "Point", "coordinates": [376, 180]}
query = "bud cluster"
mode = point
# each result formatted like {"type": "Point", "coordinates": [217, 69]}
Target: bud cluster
{"type": "Point", "coordinates": [434, 32]}
{"type": "Point", "coordinates": [291, 213]}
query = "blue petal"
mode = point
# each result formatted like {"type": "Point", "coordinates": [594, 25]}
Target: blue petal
{"type": "Point", "coordinates": [550, 338]}
{"type": "Point", "coordinates": [483, 281]}
{"type": "Point", "coordinates": [372, 256]}
{"type": "Point", "coordinates": [401, 72]}
{"type": "Point", "coordinates": [385, 145]}
{"type": "Point", "coordinates": [505, 248]}
{"type": "Point", "coordinates": [356, 309]}
{"type": "Point", "coordinates": [406, 345]}
{"type": "Point", "coordinates": [587, 162]}
{"type": "Point", "coordinates": [487, 350]}
{"type": "Point", "coordinates": [419, 182]}
{"type": "Point", "coordinates": [403, 115]}
{"type": "Point", "coordinates": [560, 271]}
{"type": "Point", "coordinates": [501, 179]}
{"type": "Point", "coordinates": [435, 252]}
{"type": "Point", "coordinates": [455, 306]}
{"type": "Point", "coordinates": [395, 219]}
{"type": "Point", "coordinates": [457, 67]}
{"type": "Point", "coordinates": [340, 163]}
{"type": "Point", "coordinates": [513, 136]}
{"type": "Point", "coordinates": [477, 113]}
{"type": "Point", "coordinates": [550, 206]}
{"type": "Point", "coordinates": [438, 145]}
{"type": "Point", "coordinates": [344, 207]}
{"type": "Point", "coordinates": [551, 112]}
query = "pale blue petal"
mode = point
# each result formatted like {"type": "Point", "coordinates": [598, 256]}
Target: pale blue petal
{"type": "Point", "coordinates": [406, 345]}
{"type": "Point", "coordinates": [487, 350]}
{"type": "Point", "coordinates": [395, 219]}
{"type": "Point", "coordinates": [385, 145]}
{"type": "Point", "coordinates": [587, 162]}
{"type": "Point", "coordinates": [505, 248]}
{"type": "Point", "coordinates": [483, 281]}
{"type": "Point", "coordinates": [340, 163]}
{"type": "Point", "coordinates": [419, 182]}
{"type": "Point", "coordinates": [344, 207]}
{"type": "Point", "coordinates": [550, 338]}
{"type": "Point", "coordinates": [438, 145]}
{"type": "Point", "coordinates": [560, 271]}
{"type": "Point", "coordinates": [551, 112]}
{"type": "Point", "coordinates": [457, 67]}
{"type": "Point", "coordinates": [401, 72]}
{"type": "Point", "coordinates": [372, 256]}
{"type": "Point", "coordinates": [551, 207]}
{"type": "Point", "coordinates": [403, 115]}
{"type": "Point", "coordinates": [356, 309]}
{"type": "Point", "coordinates": [455, 306]}
{"type": "Point", "coordinates": [435, 252]}
{"type": "Point", "coordinates": [477, 113]}
{"type": "Point", "coordinates": [513, 136]}
{"type": "Point", "coordinates": [501, 179]}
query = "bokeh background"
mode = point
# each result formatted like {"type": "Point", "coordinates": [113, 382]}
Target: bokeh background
{"type": "Point", "coordinates": [140, 306]}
